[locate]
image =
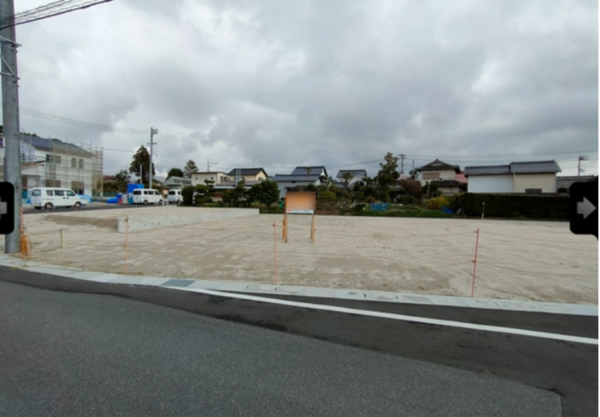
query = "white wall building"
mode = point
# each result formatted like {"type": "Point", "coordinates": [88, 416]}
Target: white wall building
{"type": "Point", "coordinates": [536, 177]}
{"type": "Point", "coordinates": [54, 163]}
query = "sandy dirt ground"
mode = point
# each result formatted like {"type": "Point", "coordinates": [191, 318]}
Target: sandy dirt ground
{"type": "Point", "coordinates": [540, 261]}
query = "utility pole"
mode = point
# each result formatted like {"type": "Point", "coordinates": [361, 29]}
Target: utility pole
{"type": "Point", "coordinates": [152, 133]}
{"type": "Point", "coordinates": [402, 156]}
{"type": "Point", "coordinates": [579, 169]}
{"type": "Point", "coordinates": [207, 166]}
{"type": "Point", "coordinates": [10, 121]}
{"type": "Point", "coordinates": [413, 169]}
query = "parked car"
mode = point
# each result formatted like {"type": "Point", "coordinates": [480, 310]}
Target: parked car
{"type": "Point", "coordinates": [147, 196]}
{"type": "Point", "coordinates": [49, 197]}
{"type": "Point", "coordinates": [174, 196]}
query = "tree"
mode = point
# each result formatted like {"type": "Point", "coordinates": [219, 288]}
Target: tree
{"type": "Point", "coordinates": [412, 188]}
{"type": "Point", "coordinates": [122, 178]}
{"type": "Point", "coordinates": [175, 172]}
{"type": "Point", "coordinates": [189, 169]}
{"type": "Point", "coordinates": [326, 198]}
{"type": "Point", "coordinates": [387, 176]}
{"type": "Point", "coordinates": [347, 177]}
{"type": "Point", "coordinates": [204, 192]}
{"type": "Point", "coordinates": [141, 157]}
{"type": "Point", "coordinates": [237, 196]}
{"type": "Point", "coordinates": [265, 192]}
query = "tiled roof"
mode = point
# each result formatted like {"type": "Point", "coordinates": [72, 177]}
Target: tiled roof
{"type": "Point", "coordinates": [246, 171]}
{"type": "Point", "coordinates": [537, 167]}
{"type": "Point", "coordinates": [313, 170]}
{"type": "Point", "coordinates": [55, 146]}
{"type": "Point", "coordinates": [487, 170]}
{"type": "Point", "coordinates": [287, 178]}
{"type": "Point", "coordinates": [355, 172]}
{"type": "Point", "coordinates": [532, 167]}
{"type": "Point", "coordinates": [438, 165]}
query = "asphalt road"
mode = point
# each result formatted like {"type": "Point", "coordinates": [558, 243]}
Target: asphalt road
{"type": "Point", "coordinates": [88, 355]}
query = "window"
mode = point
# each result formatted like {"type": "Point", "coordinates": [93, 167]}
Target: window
{"type": "Point", "coordinates": [137, 192]}
{"type": "Point", "coordinates": [81, 164]}
{"type": "Point", "coordinates": [70, 193]}
{"type": "Point", "coordinates": [73, 162]}
{"type": "Point", "coordinates": [53, 159]}
{"type": "Point", "coordinates": [59, 193]}
{"type": "Point", "coordinates": [49, 193]}
{"type": "Point", "coordinates": [431, 175]}
{"type": "Point", "coordinates": [36, 193]}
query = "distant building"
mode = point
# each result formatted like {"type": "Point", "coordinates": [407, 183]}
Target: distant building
{"type": "Point", "coordinates": [534, 177]}
{"type": "Point", "coordinates": [218, 177]}
{"type": "Point", "coordinates": [567, 181]}
{"type": "Point", "coordinates": [54, 163]}
{"type": "Point", "coordinates": [177, 183]}
{"type": "Point", "coordinates": [249, 174]}
{"type": "Point", "coordinates": [300, 177]}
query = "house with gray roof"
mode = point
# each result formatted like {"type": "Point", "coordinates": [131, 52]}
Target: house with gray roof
{"type": "Point", "coordinates": [354, 175]}
{"type": "Point", "coordinates": [300, 177]}
{"type": "Point", "coordinates": [532, 177]}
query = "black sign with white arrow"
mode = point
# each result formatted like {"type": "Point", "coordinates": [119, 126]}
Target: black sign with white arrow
{"type": "Point", "coordinates": [584, 208]}
{"type": "Point", "coordinates": [7, 208]}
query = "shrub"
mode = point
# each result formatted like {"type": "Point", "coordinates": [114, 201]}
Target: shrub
{"type": "Point", "coordinates": [326, 197]}
{"type": "Point", "coordinates": [436, 203]}
{"type": "Point", "coordinates": [371, 199]}
{"type": "Point", "coordinates": [562, 190]}
{"type": "Point", "coordinates": [188, 195]}
{"type": "Point", "coordinates": [514, 205]}
{"type": "Point", "coordinates": [407, 199]}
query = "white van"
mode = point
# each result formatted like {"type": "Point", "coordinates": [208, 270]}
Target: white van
{"type": "Point", "coordinates": [147, 196]}
{"type": "Point", "coordinates": [46, 197]}
{"type": "Point", "coordinates": [174, 196]}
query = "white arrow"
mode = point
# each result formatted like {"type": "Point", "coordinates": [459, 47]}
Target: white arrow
{"type": "Point", "coordinates": [585, 207]}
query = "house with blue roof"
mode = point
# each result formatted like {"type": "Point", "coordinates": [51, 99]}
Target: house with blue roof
{"type": "Point", "coordinates": [533, 177]}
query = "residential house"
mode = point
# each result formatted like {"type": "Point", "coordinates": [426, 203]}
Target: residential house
{"type": "Point", "coordinates": [54, 163]}
{"type": "Point", "coordinates": [251, 175]}
{"type": "Point", "coordinates": [567, 181]}
{"type": "Point", "coordinates": [356, 175]}
{"type": "Point", "coordinates": [300, 177]}
{"type": "Point", "coordinates": [449, 177]}
{"type": "Point", "coordinates": [218, 177]}
{"type": "Point", "coordinates": [534, 177]}
{"type": "Point", "coordinates": [177, 183]}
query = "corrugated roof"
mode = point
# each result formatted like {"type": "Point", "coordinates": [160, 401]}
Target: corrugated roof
{"type": "Point", "coordinates": [536, 167]}
{"type": "Point", "coordinates": [487, 170]}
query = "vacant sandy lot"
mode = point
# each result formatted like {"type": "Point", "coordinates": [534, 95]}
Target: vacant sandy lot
{"type": "Point", "coordinates": [539, 261]}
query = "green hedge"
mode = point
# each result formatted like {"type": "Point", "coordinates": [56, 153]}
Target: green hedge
{"type": "Point", "coordinates": [513, 205]}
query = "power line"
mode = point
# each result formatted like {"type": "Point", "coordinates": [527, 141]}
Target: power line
{"type": "Point", "coordinates": [79, 123]}
{"type": "Point", "coordinates": [48, 10]}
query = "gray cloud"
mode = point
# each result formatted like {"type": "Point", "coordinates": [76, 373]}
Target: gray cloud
{"type": "Point", "coordinates": [293, 83]}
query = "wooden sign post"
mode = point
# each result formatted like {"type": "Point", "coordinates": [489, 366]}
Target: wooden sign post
{"type": "Point", "coordinates": [300, 202]}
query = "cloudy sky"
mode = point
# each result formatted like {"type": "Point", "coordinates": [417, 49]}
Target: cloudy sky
{"type": "Point", "coordinates": [278, 84]}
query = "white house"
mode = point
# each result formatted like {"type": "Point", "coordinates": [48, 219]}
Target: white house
{"type": "Point", "coordinates": [300, 177]}
{"type": "Point", "coordinates": [356, 175]}
{"type": "Point", "coordinates": [535, 177]}
{"type": "Point", "coordinates": [218, 177]}
{"type": "Point", "coordinates": [177, 183]}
